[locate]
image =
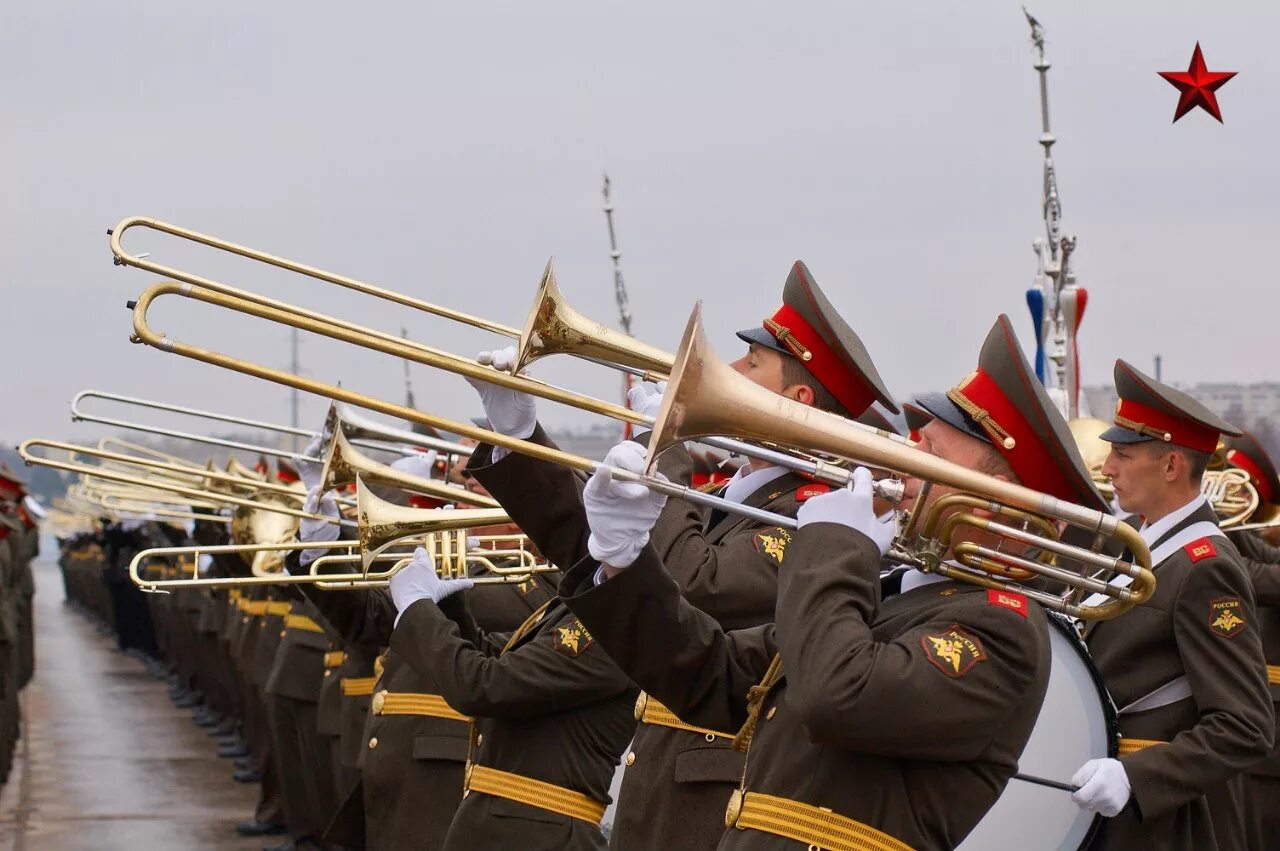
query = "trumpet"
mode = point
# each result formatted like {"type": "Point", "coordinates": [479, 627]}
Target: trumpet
{"type": "Point", "coordinates": [363, 432]}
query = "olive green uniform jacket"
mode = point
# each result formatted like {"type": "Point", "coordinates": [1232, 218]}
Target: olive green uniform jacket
{"type": "Point", "coordinates": [1200, 623]}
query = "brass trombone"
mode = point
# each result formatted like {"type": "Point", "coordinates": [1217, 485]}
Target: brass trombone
{"type": "Point", "coordinates": [730, 404]}
{"type": "Point", "coordinates": [195, 493]}
{"type": "Point", "coordinates": [343, 464]}
{"type": "Point", "coordinates": [455, 553]}
{"type": "Point", "coordinates": [552, 326]}
{"type": "Point", "coordinates": [362, 431]}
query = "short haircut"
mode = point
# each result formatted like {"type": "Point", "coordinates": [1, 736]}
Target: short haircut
{"type": "Point", "coordinates": [992, 463]}
{"type": "Point", "coordinates": [793, 372]}
{"type": "Point", "coordinates": [1197, 461]}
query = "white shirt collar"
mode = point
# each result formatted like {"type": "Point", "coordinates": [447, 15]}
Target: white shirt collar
{"type": "Point", "coordinates": [1152, 532]}
{"type": "Point", "coordinates": [743, 484]}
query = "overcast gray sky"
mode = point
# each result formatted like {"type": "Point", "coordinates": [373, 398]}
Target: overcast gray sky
{"type": "Point", "coordinates": [449, 150]}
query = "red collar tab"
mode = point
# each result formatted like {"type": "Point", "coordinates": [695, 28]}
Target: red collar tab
{"type": "Point", "coordinates": [1161, 425]}
{"type": "Point", "coordinates": [1010, 600]}
{"type": "Point", "coordinates": [1013, 436]}
{"type": "Point", "coordinates": [1260, 481]}
{"type": "Point", "coordinates": [811, 490]}
{"type": "Point", "coordinates": [286, 476]}
{"type": "Point", "coordinates": [822, 361]}
{"type": "Point", "coordinates": [1200, 550]}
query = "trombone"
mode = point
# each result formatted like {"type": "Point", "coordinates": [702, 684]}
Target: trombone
{"type": "Point", "coordinates": [704, 397]}
{"type": "Point", "coordinates": [454, 554]}
{"type": "Point", "coordinates": [199, 494]}
{"type": "Point", "coordinates": [552, 326]}
{"type": "Point", "coordinates": [362, 431]}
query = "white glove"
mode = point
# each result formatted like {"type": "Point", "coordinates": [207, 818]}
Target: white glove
{"type": "Point", "coordinates": [646, 398]}
{"type": "Point", "coordinates": [852, 507]}
{"type": "Point", "coordinates": [309, 471]}
{"type": "Point", "coordinates": [510, 412]}
{"type": "Point", "coordinates": [620, 513]}
{"type": "Point", "coordinates": [419, 464]}
{"type": "Point", "coordinates": [318, 531]}
{"type": "Point", "coordinates": [1104, 787]}
{"type": "Point", "coordinates": [418, 580]}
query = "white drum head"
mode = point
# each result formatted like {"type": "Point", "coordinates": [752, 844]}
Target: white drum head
{"type": "Point", "coordinates": [1075, 725]}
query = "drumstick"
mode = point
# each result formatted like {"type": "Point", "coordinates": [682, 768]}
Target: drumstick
{"type": "Point", "coordinates": [1042, 781]}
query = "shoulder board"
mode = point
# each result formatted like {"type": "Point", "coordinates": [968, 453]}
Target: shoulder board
{"type": "Point", "coordinates": [1010, 600]}
{"type": "Point", "coordinates": [709, 487]}
{"type": "Point", "coordinates": [1200, 549]}
{"type": "Point", "coordinates": [811, 490]}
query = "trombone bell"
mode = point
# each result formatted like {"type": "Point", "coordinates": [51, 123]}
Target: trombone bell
{"type": "Point", "coordinates": [382, 523]}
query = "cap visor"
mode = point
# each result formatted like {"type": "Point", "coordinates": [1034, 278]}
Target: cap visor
{"type": "Point", "coordinates": [761, 337]}
{"type": "Point", "coordinates": [944, 409]}
{"type": "Point", "coordinates": [1116, 434]}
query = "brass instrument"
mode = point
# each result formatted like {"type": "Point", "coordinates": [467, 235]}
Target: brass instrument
{"type": "Point", "coordinates": [1087, 432]}
{"type": "Point", "coordinates": [384, 523]}
{"type": "Point", "coordinates": [195, 493]}
{"type": "Point", "coordinates": [552, 326]}
{"type": "Point", "coordinates": [362, 431]}
{"type": "Point", "coordinates": [454, 554]}
{"type": "Point", "coordinates": [1232, 495]}
{"type": "Point", "coordinates": [343, 464]}
{"type": "Point", "coordinates": [706, 396]}
{"type": "Point", "coordinates": [887, 489]}
{"type": "Point", "coordinates": [749, 413]}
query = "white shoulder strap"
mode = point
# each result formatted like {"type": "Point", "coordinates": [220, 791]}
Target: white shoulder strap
{"type": "Point", "coordinates": [1194, 532]}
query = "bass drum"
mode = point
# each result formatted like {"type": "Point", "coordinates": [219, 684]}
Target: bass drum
{"type": "Point", "coordinates": [1077, 723]}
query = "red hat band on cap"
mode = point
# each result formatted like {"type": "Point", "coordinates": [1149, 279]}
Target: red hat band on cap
{"type": "Point", "coordinates": [1159, 425]}
{"type": "Point", "coordinates": [286, 476]}
{"type": "Point", "coordinates": [791, 330]}
{"type": "Point", "coordinates": [1012, 435]}
{"type": "Point", "coordinates": [1259, 479]}
{"type": "Point", "coordinates": [8, 487]}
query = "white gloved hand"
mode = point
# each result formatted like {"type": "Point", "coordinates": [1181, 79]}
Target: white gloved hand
{"type": "Point", "coordinates": [620, 513]}
{"type": "Point", "coordinates": [646, 398]}
{"type": "Point", "coordinates": [510, 412]}
{"type": "Point", "coordinates": [1104, 787]}
{"type": "Point", "coordinates": [420, 464]}
{"type": "Point", "coordinates": [851, 506]}
{"type": "Point", "coordinates": [418, 580]}
{"type": "Point", "coordinates": [309, 471]}
{"type": "Point", "coordinates": [318, 531]}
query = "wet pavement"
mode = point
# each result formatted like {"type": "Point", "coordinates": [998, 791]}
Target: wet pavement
{"type": "Point", "coordinates": [107, 761]}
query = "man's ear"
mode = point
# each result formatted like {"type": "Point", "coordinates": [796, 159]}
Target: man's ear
{"type": "Point", "coordinates": [1173, 466]}
{"type": "Point", "coordinates": [802, 393]}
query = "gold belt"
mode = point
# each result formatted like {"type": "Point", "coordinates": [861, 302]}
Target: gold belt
{"type": "Point", "coordinates": [1128, 746]}
{"type": "Point", "coordinates": [302, 622]}
{"type": "Point", "coordinates": [410, 703]}
{"type": "Point", "coordinates": [1273, 674]}
{"type": "Point", "coordinates": [334, 658]}
{"type": "Point", "coordinates": [534, 793]}
{"type": "Point", "coordinates": [257, 608]}
{"type": "Point", "coordinates": [279, 608]}
{"type": "Point", "coordinates": [650, 711]}
{"type": "Point", "coordinates": [357, 686]}
{"type": "Point", "coordinates": [818, 826]}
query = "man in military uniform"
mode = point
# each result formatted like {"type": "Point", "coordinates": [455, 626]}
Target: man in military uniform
{"type": "Point", "coordinates": [678, 776]}
{"type": "Point", "coordinates": [1186, 670]}
{"type": "Point", "coordinates": [846, 745]}
{"type": "Point", "coordinates": [1262, 561]}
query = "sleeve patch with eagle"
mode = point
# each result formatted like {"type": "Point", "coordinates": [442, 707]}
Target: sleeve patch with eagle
{"type": "Point", "coordinates": [773, 543]}
{"type": "Point", "coordinates": [1226, 616]}
{"type": "Point", "coordinates": [953, 652]}
{"type": "Point", "coordinates": [570, 638]}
